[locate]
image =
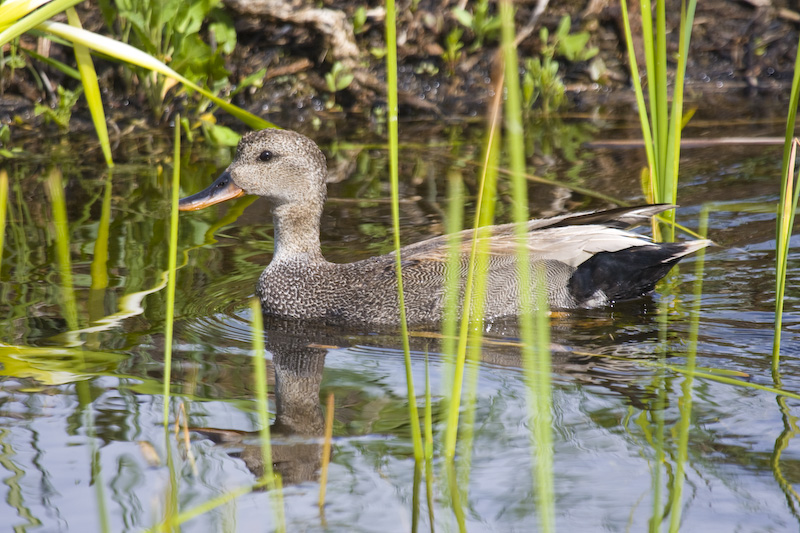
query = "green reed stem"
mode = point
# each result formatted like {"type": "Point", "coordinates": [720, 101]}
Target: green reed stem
{"type": "Point", "coordinates": [662, 132]}
{"type": "Point", "coordinates": [91, 89]}
{"type": "Point", "coordinates": [55, 188]}
{"type": "Point", "coordinates": [483, 207]}
{"type": "Point", "coordinates": [3, 211]}
{"type": "Point", "coordinates": [785, 221]}
{"type": "Point", "coordinates": [270, 478]}
{"type": "Point", "coordinates": [172, 270]}
{"type": "Point", "coordinates": [659, 106]}
{"type": "Point", "coordinates": [415, 502]}
{"type": "Point", "coordinates": [647, 21]}
{"type": "Point", "coordinates": [656, 426]}
{"type": "Point", "coordinates": [786, 213]}
{"type": "Point", "coordinates": [534, 327]}
{"type": "Point", "coordinates": [676, 123]}
{"type": "Point", "coordinates": [455, 495]}
{"type": "Point", "coordinates": [185, 516]}
{"type": "Point", "coordinates": [781, 444]}
{"type": "Point", "coordinates": [472, 325]}
{"type": "Point", "coordinates": [326, 451]}
{"type": "Point", "coordinates": [688, 382]}
{"type": "Point", "coordinates": [429, 444]}
{"type": "Point", "coordinates": [454, 223]}
{"type": "Point", "coordinates": [391, 86]}
{"type": "Point", "coordinates": [171, 497]}
{"type": "Point", "coordinates": [98, 268]}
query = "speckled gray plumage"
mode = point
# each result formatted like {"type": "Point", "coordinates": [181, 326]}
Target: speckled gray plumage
{"type": "Point", "coordinates": [574, 251]}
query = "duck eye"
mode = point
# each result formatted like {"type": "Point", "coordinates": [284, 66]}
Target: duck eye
{"type": "Point", "coordinates": [266, 155]}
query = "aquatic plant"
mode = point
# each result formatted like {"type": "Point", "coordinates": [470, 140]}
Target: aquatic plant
{"type": "Point", "coordinates": [21, 16]}
{"type": "Point", "coordinates": [661, 128]}
{"type": "Point", "coordinates": [534, 326]}
{"type": "Point", "coordinates": [787, 207]}
{"type": "Point", "coordinates": [392, 104]}
{"type": "Point", "coordinates": [170, 31]}
{"type": "Point", "coordinates": [484, 25]}
{"type": "Point", "coordinates": [541, 81]}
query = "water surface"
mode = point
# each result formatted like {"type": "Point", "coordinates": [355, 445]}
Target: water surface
{"type": "Point", "coordinates": [82, 446]}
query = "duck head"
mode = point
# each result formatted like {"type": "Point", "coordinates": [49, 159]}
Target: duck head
{"type": "Point", "coordinates": [283, 166]}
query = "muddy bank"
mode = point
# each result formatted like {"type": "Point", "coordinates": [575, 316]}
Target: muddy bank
{"type": "Point", "coordinates": [737, 48]}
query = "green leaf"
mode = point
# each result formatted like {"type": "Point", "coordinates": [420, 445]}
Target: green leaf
{"type": "Point", "coordinates": [91, 89]}
{"type": "Point", "coordinates": [563, 27]}
{"type": "Point", "coordinates": [462, 16]}
{"type": "Point", "coordinates": [58, 65]}
{"type": "Point", "coordinates": [224, 31]}
{"type": "Point", "coordinates": [344, 82]}
{"type": "Point", "coordinates": [359, 19]}
{"type": "Point", "coordinates": [222, 135]}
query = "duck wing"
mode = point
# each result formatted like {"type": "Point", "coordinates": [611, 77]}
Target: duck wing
{"type": "Point", "coordinates": [579, 235]}
{"type": "Point", "coordinates": [589, 259]}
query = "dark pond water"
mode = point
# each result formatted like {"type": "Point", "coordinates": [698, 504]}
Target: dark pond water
{"type": "Point", "coordinates": [82, 447]}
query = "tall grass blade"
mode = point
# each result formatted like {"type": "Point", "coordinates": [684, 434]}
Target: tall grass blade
{"type": "Point", "coordinates": [637, 83]}
{"type": "Point", "coordinates": [472, 325]}
{"type": "Point", "coordinates": [391, 86]}
{"type": "Point", "coordinates": [662, 132]}
{"type": "Point", "coordinates": [171, 490]}
{"type": "Point", "coordinates": [55, 188]}
{"type": "Point", "coordinates": [534, 326]}
{"type": "Point", "coordinates": [685, 403]}
{"type": "Point", "coordinates": [455, 495]}
{"type": "Point", "coordinates": [57, 65]}
{"type": "Point", "coordinates": [676, 122]}
{"type": "Point", "coordinates": [326, 451]}
{"type": "Point", "coordinates": [270, 478]}
{"type": "Point", "coordinates": [3, 211]}
{"type": "Point", "coordinates": [429, 445]}
{"type": "Point", "coordinates": [91, 90]}
{"type": "Point", "coordinates": [454, 223]}
{"type": "Point", "coordinates": [656, 427]}
{"type": "Point", "coordinates": [785, 222]}
{"type": "Point", "coordinates": [172, 270]}
{"type": "Point", "coordinates": [99, 267]}
{"type": "Point", "coordinates": [209, 505]}
{"type": "Point", "coordinates": [786, 212]}
{"type": "Point", "coordinates": [658, 79]}
{"type": "Point", "coordinates": [484, 210]}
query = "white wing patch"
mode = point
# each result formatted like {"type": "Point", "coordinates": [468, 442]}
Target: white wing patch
{"type": "Point", "coordinates": [575, 244]}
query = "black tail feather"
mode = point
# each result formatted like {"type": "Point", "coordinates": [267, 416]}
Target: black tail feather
{"type": "Point", "coordinates": [625, 274]}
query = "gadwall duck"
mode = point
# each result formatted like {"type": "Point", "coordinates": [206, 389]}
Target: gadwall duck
{"type": "Point", "coordinates": [589, 259]}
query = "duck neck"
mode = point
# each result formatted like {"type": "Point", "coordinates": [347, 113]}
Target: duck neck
{"type": "Point", "coordinates": [296, 233]}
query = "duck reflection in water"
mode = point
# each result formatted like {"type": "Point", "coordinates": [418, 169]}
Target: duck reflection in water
{"type": "Point", "coordinates": [298, 357]}
{"type": "Point", "coordinates": [299, 349]}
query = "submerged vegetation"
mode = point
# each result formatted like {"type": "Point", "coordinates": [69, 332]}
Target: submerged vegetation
{"type": "Point", "coordinates": [175, 56]}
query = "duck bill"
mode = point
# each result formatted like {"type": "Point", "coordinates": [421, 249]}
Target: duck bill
{"type": "Point", "coordinates": [222, 189]}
